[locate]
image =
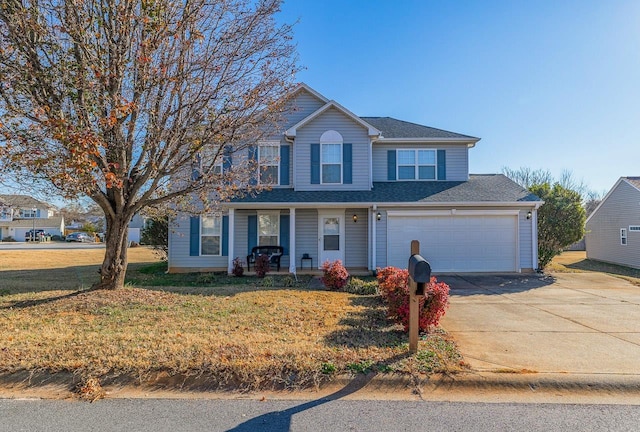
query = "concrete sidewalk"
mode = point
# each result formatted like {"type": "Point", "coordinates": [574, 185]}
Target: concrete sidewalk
{"type": "Point", "coordinates": [578, 329]}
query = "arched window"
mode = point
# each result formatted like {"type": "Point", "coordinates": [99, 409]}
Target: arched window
{"type": "Point", "coordinates": [331, 157]}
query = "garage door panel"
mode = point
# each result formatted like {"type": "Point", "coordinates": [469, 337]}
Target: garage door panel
{"type": "Point", "coordinates": [455, 243]}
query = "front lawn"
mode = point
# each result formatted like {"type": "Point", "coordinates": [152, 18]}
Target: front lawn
{"type": "Point", "coordinates": [214, 333]}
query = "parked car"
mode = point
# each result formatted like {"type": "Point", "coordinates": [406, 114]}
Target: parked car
{"type": "Point", "coordinates": [81, 237]}
{"type": "Point", "coordinates": [37, 235]}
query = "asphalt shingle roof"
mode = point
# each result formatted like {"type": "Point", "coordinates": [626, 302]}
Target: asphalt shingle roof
{"type": "Point", "coordinates": [489, 188]}
{"type": "Point", "coordinates": [394, 128]}
{"type": "Point", "coordinates": [634, 181]}
{"type": "Point", "coordinates": [23, 201]}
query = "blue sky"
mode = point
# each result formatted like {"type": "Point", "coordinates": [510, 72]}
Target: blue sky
{"type": "Point", "coordinates": [545, 84]}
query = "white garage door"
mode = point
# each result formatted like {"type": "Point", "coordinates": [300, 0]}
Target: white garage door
{"type": "Point", "coordinates": [457, 243]}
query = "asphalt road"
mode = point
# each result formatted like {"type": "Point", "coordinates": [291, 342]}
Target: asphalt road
{"type": "Point", "coordinates": [319, 415]}
{"type": "Point", "coordinates": [49, 245]}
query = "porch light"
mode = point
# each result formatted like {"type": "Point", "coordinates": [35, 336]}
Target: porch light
{"type": "Point", "coordinates": [378, 216]}
{"type": "Point", "coordinates": [355, 218]}
{"type": "Point", "coordinates": [529, 215]}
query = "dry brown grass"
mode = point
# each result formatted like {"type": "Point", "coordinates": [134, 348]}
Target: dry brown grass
{"type": "Point", "coordinates": [231, 337]}
{"type": "Point", "coordinates": [576, 262]}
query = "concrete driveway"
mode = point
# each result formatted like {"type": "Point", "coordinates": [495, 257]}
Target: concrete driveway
{"type": "Point", "coordinates": [565, 323]}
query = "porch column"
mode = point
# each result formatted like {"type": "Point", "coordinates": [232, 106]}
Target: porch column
{"type": "Point", "coordinates": [292, 240]}
{"type": "Point", "coordinates": [374, 241]}
{"type": "Point", "coordinates": [232, 223]}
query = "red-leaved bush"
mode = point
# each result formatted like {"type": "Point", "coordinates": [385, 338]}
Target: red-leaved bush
{"type": "Point", "coordinates": [335, 276]}
{"type": "Point", "coordinates": [393, 284]}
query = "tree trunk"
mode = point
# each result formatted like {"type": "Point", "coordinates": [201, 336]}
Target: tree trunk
{"type": "Point", "coordinates": [114, 266]}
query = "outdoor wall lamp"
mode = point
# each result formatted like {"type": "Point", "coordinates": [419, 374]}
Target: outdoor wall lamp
{"type": "Point", "coordinates": [378, 216]}
{"type": "Point", "coordinates": [355, 218]}
{"type": "Point", "coordinates": [529, 215]}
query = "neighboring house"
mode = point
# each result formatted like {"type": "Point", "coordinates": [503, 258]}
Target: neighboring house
{"type": "Point", "coordinates": [359, 189]}
{"type": "Point", "coordinates": [21, 213]}
{"type": "Point", "coordinates": [613, 229]}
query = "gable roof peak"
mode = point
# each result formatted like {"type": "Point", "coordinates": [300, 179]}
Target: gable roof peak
{"type": "Point", "coordinates": [303, 86]}
{"type": "Point", "coordinates": [371, 130]}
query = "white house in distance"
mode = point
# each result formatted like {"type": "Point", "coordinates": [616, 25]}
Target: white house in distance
{"type": "Point", "coordinates": [21, 213]}
{"type": "Point", "coordinates": [613, 229]}
{"type": "Point", "coordinates": [359, 189]}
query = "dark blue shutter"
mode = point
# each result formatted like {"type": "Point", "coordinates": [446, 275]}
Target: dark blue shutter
{"type": "Point", "coordinates": [315, 163]}
{"type": "Point", "coordinates": [347, 164]}
{"type": "Point", "coordinates": [284, 164]}
{"type": "Point", "coordinates": [253, 156]}
{"type": "Point", "coordinates": [194, 236]}
{"type": "Point", "coordinates": [391, 164]}
{"type": "Point", "coordinates": [442, 165]}
{"type": "Point", "coordinates": [225, 235]}
{"type": "Point", "coordinates": [284, 233]}
{"type": "Point", "coordinates": [226, 159]}
{"type": "Point", "coordinates": [252, 232]}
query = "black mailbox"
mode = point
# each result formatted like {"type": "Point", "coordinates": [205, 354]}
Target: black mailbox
{"type": "Point", "coordinates": [420, 272]}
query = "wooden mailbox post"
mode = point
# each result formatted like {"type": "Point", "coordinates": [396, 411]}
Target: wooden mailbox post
{"type": "Point", "coordinates": [419, 276]}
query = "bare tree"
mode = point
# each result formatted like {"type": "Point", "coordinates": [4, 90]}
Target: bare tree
{"type": "Point", "coordinates": [527, 177]}
{"type": "Point", "coordinates": [122, 100]}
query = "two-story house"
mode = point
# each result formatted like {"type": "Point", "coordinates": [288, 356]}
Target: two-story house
{"type": "Point", "coordinates": [359, 189]}
{"type": "Point", "coordinates": [22, 213]}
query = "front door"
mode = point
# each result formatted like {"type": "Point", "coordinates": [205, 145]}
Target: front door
{"type": "Point", "coordinates": [331, 238]}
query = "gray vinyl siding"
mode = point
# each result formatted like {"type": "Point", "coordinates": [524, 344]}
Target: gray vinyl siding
{"type": "Point", "coordinates": [381, 240]}
{"type": "Point", "coordinates": [300, 107]}
{"type": "Point", "coordinates": [307, 235]}
{"type": "Point", "coordinates": [356, 252]}
{"type": "Point", "coordinates": [240, 240]}
{"type": "Point", "coordinates": [619, 210]}
{"type": "Point", "coordinates": [457, 159]}
{"type": "Point", "coordinates": [352, 133]}
{"type": "Point", "coordinates": [524, 232]}
{"type": "Point", "coordinates": [179, 258]}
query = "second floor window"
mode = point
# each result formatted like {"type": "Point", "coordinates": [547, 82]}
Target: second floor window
{"type": "Point", "coordinates": [28, 213]}
{"type": "Point", "coordinates": [331, 163]}
{"type": "Point", "coordinates": [417, 165]}
{"type": "Point", "coordinates": [211, 235]}
{"type": "Point", "coordinates": [269, 161]}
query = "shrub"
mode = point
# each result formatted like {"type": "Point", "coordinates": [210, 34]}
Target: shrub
{"type": "Point", "coordinates": [262, 265]}
{"type": "Point", "coordinates": [8, 239]}
{"type": "Point", "coordinates": [206, 279]}
{"type": "Point", "coordinates": [238, 269]}
{"type": "Point", "coordinates": [268, 282]}
{"type": "Point", "coordinates": [394, 288]}
{"type": "Point", "coordinates": [288, 281]}
{"type": "Point", "coordinates": [360, 287]}
{"type": "Point", "coordinates": [335, 276]}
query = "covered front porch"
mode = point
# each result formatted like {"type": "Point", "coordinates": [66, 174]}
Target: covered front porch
{"type": "Point", "coordinates": [308, 236]}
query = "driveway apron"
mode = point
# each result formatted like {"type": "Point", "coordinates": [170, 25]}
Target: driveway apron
{"type": "Point", "coordinates": [563, 323]}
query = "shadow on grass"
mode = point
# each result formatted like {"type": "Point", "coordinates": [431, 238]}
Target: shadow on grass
{"type": "Point", "coordinates": [368, 328]}
{"type": "Point", "coordinates": [144, 276]}
{"type": "Point", "coordinates": [603, 267]}
{"type": "Point", "coordinates": [32, 303]}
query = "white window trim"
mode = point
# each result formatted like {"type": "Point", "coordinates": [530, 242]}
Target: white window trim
{"type": "Point", "coordinates": [33, 214]}
{"type": "Point", "coordinates": [416, 165]}
{"type": "Point", "coordinates": [211, 235]}
{"type": "Point", "coordinates": [322, 163]}
{"type": "Point", "coordinates": [623, 237]}
{"type": "Point", "coordinates": [275, 163]}
{"type": "Point", "coordinates": [268, 213]}
{"type": "Point", "coordinates": [634, 228]}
